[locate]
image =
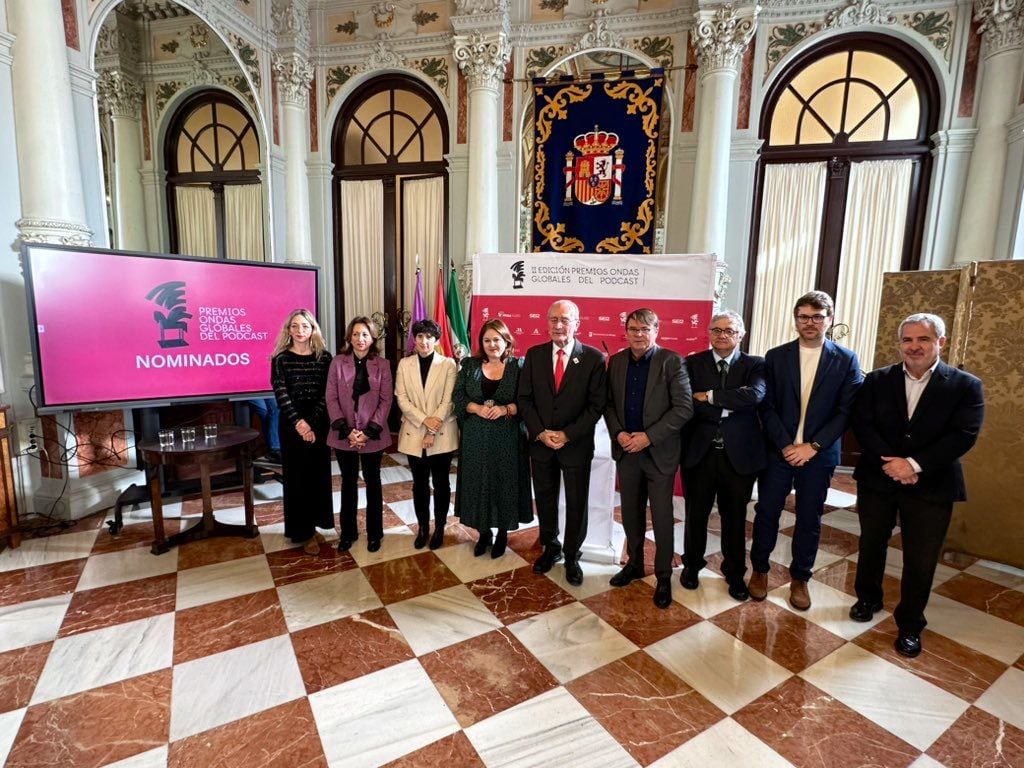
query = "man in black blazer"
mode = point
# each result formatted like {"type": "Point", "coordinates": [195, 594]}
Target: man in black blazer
{"type": "Point", "coordinates": [913, 420]}
{"type": "Point", "coordinates": [723, 450]}
{"type": "Point", "coordinates": [561, 397]}
{"type": "Point", "coordinates": [648, 404]}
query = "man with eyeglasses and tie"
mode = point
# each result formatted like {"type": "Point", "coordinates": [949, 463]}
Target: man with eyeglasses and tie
{"type": "Point", "coordinates": [561, 397]}
{"type": "Point", "coordinates": [723, 450]}
{"type": "Point", "coordinates": [811, 386]}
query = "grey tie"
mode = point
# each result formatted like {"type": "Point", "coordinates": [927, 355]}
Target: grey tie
{"type": "Point", "coordinates": [723, 371]}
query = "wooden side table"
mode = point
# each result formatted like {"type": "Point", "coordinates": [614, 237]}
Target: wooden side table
{"type": "Point", "coordinates": [8, 502]}
{"type": "Point", "coordinates": [231, 443]}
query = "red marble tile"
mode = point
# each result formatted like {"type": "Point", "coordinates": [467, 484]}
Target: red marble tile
{"type": "Point", "coordinates": [291, 565]}
{"type": "Point", "coordinates": [525, 542]}
{"type": "Point", "coordinates": [986, 596]}
{"type": "Point", "coordinates": [101, 442]}
{"type": "Point", "coordinates": [813, 730]}
{"type": "Point", "coordinates": [486, 675]}
{"type": "Point", "coordinates": [630, 610]}
{"type": "Point", "coordinates": [454, 532]}
{"type": "Point", "coordinates": [787, 639]}
{"type": "Point", "coordinates": [41, 581]}
{"type": "Point", "coordinates": [842, 574]}
{"type": "Point", "coordinates": [519, 594]}
{"type": "Point", "coordinates": [134, 535]}
{"type": "Point", "coordinates": [969, 82]}
{"type": "Point", "coordinates": [406, 577]}
{"type": "Point", "coordinates": [946, 663]}
{"type": "Point", "coordinates": [193, 504]}
{"type": "Point", "coordinates": [453, 751]}
{"type": "Point", "coordinates": [833, 540]}
{"type": "Point", "coordinates": [96, 727]}
{"type": "Point", "coordinates": [689, 108]}
{"type": "Point", "coordinates": [1019, 664]}
{"type": "Point", "coordinates": [645, 707]}
{"type": "Point", "coordinates": [218, 549]}
{"type": "Point", "coordinates": [957, 560]}
{"type": "Point", "coordinates": [342, 650]}
{"type": "Point", "coordinates": [19, 673]}
{"type": "Point", "coordinates": [397, 491]}
{"type": "Point", "coordinates": [745, 80]}
{"type": "Point", "coordinates": [843, 481]}
{"type": "Point", "coordinates": [979, 740]}
{"type": "Point", "coordinates": [282, 737]}
{"type": "Point", "coordinates": [226, 624]}
{"type": "Point", "coordinates": [896, 542]}
{"type": "Point", "coordinates": [269, 513]}
{"type": "Point", "coordinates": [120, 603]}
{"type": "Point", "coordinates": [391, 520]}
{"type": "Point", "coordinates": [91, 522]}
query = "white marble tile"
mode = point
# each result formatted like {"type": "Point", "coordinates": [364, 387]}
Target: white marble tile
{"type": "Point", "coordinates": [843, 519]}
{"type": "Point", "coordinates": [36, 621]}
{"type": "Point", "coordinates": [723, 669]}
{"type": "Point", "coordinates": [397, 542]}
{"type": "Point", "coordinates": [154, 758]}
{"type": "Point", "coordinates": [786, 519]}
{"type": "Point", "coordinates": [326, 598]}
{"type": "Point", "coordinates": [1004, 575]}
{"type": "Point", "coordinates": [837, 498]}
{"type": "Point", "coordinates": [351, 716]}
{"type": "Point", "coordinates": [595, 578]}
{"type": "Point", "coordinates": [571, 641]}
{"type": "Point", "coordinates": [783, 553]}
{"type": "Point", "coordinates": [10, 722]}
{"type": "Point", "coordinates": [461, 561]}
{"type": "Point", "coordinates": [442, 618]}
{"type": "Point", "coordinates": [400, 458]}
{"type": "Point", "coordinates": [126, 565]}
{"type": "Point", "coordinates": [894, 567]}
{"type": "Point", "coordinates": [991, 635]}
{"type": "Point", "coordinates": [406, 510]}
{"type": "Point", "coordinates": [709, 599]}
{"type": "Point", "coordinates": [220, 581]}
{"type": "Point", "coordinates": [273, 539]}
{"type": "Point", "coordinates": [1005, 699]}
{"type": "Point", "coordinates": [552, 729]}
{"type": "Point", "coordinates": [726, 743]}
{"type": "Point", "coordinates": [830, 609]}
{"type": "Point", "coordinates": [107, 655]}
{"type": "Point", "coordinates": [48, 549]}
{"type": "Point", "coordinates": [226, 686]}
{"type": "Point", "coordinates": [926, 762]}
{"type": "Point", "coordinates": [395, 475]}
{"type": "Point", "coordinates": [899, 701]}
{"type": "Point", "coordinates": [678, 532]}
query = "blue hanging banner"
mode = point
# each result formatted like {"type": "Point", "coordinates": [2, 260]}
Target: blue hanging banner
{"type": "Point", "coordinates": [596, 163]}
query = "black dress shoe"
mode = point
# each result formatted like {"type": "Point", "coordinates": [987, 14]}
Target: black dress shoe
{"type": "Point", "coordinates": [626, 575]}
{"type": "Point", "coordinates": [862, 610]}
{"type": "Point", "coordinates": [482, 543]}
{"type": "Point", "coordinates": [908, 644]}
{"type": "Point", "coordinates": [437, 539]}
{"type": "Point", "coordinates": [739, 592]}
{"type": "Point", "coordinates": [373, 545]}
{"type": "Point", "coordinates": [421, 538]}
{"type": "Point", "coordinates": [573, 572]}
{"type": "Point", "coordinates": [663, 592]}
{"type": "Point", "coordinates": [344, 545]}
{"type": "Point", "coordinates": [689, 579]}
{"type": "Point", "coordinates": [548, 558]}
{"type": "Point", "coordinates": [500, 544]}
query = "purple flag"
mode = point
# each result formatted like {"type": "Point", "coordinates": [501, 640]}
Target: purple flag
{"type": "Point", "coordinates": [419, 311]}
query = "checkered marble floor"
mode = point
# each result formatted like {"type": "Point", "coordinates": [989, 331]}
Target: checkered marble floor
{"type": "Point", "coordinates": [234, 652]}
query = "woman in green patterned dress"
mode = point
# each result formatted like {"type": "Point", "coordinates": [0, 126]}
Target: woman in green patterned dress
{"type": "Point", "coordinates": [494, 472]}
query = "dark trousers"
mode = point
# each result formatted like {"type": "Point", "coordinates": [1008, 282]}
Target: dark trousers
{"type": "Point", "coordinates": [811, 482]}
{"type": "Point", "coordinates": [348, 462]}
{"type": "Point", "coordinates": [640, 481]}
{"type": "Point", "coordinates": [714, 476]}
{"type": "Point", "coordinates": [923, 526]}
{"type": "Point", "coordinates": [546, 476]}
{"type": "Point", "coordinates": [424, 468]}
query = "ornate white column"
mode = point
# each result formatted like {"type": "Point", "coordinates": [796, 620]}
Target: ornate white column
{"type": "Point", "coordinates": [1002, 28]}
{"type": "Point", "coordinates": [52, 202]}
{"type": "Point", "coordinates": [121, 97]}
{"type": "Point", "coordinates": [482, 58]}
{"type": "Point", "coordinates": [293, 72]}
{"type": "Point", "coordinates": [721, 35]}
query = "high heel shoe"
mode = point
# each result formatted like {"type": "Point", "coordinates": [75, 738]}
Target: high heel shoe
{"type": "Point", "coordinates": [500, 543]}
{"type": "Point", "coordinates": [438, 538]}
{"type": "Point", "coordinates": [483, 542]}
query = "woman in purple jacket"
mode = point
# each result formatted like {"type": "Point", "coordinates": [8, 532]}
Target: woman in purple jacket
{"type": "Point", "coordinates": [359, 395]}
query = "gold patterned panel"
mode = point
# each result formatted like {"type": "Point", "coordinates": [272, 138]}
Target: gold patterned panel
{"type": "Point", "coordinates": [904, 293]}
{"type": "Point", "coordinates": [988, 524]}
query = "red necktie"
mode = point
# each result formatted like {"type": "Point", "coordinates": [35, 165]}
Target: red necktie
{"type": "Point", "coordinates": [559, 369]}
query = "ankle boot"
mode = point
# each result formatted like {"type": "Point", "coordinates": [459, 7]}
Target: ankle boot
{"type": "Point", "coordinates": [482, 542]}
{"type": "Point", "coordinates": [500, 542]}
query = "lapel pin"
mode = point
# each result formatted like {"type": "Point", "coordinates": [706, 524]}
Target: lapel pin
{"type": "Point", "coordinates": [575, 361]}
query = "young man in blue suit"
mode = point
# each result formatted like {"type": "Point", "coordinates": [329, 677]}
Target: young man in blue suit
{"type": "Point", "coordinates": [811, 386]}
{"type": "Point", "coordinates": [913, 420]}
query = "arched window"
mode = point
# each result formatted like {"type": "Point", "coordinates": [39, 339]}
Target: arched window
{"type": "Point", "coordinates": [390, 200]}
{"type": "Point", "coordinates": [842, 183]}
{"type": "Point", "coordinates": [214, 199]}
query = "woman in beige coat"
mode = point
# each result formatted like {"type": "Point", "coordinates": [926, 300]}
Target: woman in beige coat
{"type": "Point", "coordinates": [429, 434]}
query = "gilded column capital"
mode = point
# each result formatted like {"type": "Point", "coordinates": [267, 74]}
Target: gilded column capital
{"type": "Point", "coordinates": [120, 95]}
{"type": "Point", "coordinates": [1002, 24]}
{"type": "Point", "coordinates": [722, 34]}
{"type": "Point", "coordinates": [293, 73]}
{"type": "Point", "coordinates": [482, 58]}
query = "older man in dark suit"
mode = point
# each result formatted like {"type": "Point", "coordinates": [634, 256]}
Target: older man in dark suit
{"type": "Point", "coordinates": [913, 420]}
{"type": "Point", "coordinates": [648, 404]}
{"type": "Point", "coordinates": [723, 450]}
{"type": "Point", "coordinates": [561, 397]}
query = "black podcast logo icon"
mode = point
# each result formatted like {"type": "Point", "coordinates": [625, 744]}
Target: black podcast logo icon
{"type": "Point", "coordinates": [171, 296]}
{"type": "Point", "coordinates": [518, 275]}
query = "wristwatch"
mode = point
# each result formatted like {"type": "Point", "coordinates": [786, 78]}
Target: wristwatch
{"type": "Point", "coordinates": [816, 447]}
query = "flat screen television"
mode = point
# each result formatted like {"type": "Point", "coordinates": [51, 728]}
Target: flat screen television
{"type": "Point", "coordinates": [113, 328]}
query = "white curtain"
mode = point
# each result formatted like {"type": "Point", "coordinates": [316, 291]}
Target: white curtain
{"type": "Point", "coordinates": [787, 258]}
{"type": "Point", "coordinates": [197, 230]}
{"type": "Point", "coordinates": [876, 219]}
{"type": "Point", "coordinates": [423, 234]}
{"type": "Point", "coordinates": [362, 247]}
{"type": "Point", "coordinates": [243, 220]}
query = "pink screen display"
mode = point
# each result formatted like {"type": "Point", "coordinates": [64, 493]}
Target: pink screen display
{"type": "Point", "coordinates": [119, 327]}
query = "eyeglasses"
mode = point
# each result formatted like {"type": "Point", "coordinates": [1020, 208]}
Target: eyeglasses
{"type": "Point", "coordinates": [645, 331]}
{"type": "Point", "coordinates": [816, 319]}
{"type": "Point", "coordinates": [730, 332]}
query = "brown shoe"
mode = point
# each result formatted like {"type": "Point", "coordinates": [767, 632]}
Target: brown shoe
{"type": "Point", "coordinates": [758, 585]}
{"type": "Point", "coordinates": [799, 597]}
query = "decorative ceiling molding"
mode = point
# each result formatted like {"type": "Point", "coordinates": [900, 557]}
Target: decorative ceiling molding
{"type": "Point", "coordinates": [722, 34]}
{"type": "Point", "coordinates": [1002, 24]}
{"type": "Point", "coordinates": [598, 34]}
{"type": "Point", "coordinates": [858, 12]}
{"type": "Point", "coordinates": [482, 58]}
